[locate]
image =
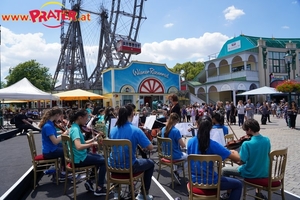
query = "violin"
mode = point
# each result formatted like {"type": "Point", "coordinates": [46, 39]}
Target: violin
{"type": "Point", "coordinates": [234, 144]}
{"type": "Point", "coordinates": [62, 125]}
{"type": "Point", "coordinates": [88, 130]}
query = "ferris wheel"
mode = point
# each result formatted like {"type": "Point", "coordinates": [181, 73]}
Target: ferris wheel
{"type": "Point", "coordinates": [104, 35]}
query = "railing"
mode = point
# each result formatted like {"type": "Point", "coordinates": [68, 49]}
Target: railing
{"type": "Point", "coordinates": [195, 99]}
{"type": "Point", "coordinates": [250, 76]}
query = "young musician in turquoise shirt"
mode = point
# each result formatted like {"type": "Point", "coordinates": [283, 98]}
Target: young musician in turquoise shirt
{"type": "Point", "coordinates": [254, 155]}
{"type": "Point", "coordinates": [81, 157]}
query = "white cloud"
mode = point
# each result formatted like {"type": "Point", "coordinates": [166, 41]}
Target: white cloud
{"type": "Point", "coordinates": [231, 13]}
{"type": "Point", "coordinates": [19, 48]}
{"type": "Point", "coordinates": [285, 27]}
{"type": "Point", "coordinates": [182, 49]}
{"type": "Point", "coordinates": [168, 25]}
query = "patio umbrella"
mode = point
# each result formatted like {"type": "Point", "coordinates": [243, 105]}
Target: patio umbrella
{"type": "Point", "coordinates": [78, 94]}
{"type": "Point", "coordinates": [261, 90]}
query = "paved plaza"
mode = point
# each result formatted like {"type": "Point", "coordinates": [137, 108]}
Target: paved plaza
{"type": "Point", "coordinates": [282, 136]}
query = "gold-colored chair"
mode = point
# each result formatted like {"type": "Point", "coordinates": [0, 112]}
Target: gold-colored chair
{"type": "Point", "coordinates": [165, 157]}
{"type": "Point", "coordinates": [275, 181]}
{"type": "Point", "coordinates": [69, 162]}
{"type": "Point", "coordinates": [119, 170]}
{"type": "Point", "coordinates": [39, 163]}
{"type": "Point", "coordinates": [200, 185]}
{"type": "Point", "coordinates": [228, 138]}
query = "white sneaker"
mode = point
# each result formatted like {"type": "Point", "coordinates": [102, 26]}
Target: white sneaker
{"type": "Point", "coordinates": [141, 197]}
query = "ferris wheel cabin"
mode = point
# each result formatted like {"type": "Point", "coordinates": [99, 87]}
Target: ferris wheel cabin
{"type": "Point", "coordinates": [126, 46]}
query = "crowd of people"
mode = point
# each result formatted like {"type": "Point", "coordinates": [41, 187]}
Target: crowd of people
{"type": "Point", "coordinates": [251, 160]}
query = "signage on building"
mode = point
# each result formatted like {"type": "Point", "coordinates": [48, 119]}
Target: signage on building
{"type": "Point", "coordinates": [234, 45]}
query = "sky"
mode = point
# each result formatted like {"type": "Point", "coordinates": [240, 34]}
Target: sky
{"type": "Point", "coordinates": [175, 31]}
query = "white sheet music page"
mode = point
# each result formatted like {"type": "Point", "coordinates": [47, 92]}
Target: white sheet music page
{"type": "Point", "coordinates": [149, 122]}
{"type": "Point", "coordinates": [135, 120]}
{"type": "Point", "coordinates": [217, 135]}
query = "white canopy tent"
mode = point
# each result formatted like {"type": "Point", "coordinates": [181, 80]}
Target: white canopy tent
{"type": "Point", "coordinates": [24, 90]}
{"type": "Point", "coordinates": [261, 90]}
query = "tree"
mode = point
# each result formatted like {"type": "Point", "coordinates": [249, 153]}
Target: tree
{"type": "Point", "coordinates": [38, 75]}
{"type": "Point", "coordinates": [188, 70]}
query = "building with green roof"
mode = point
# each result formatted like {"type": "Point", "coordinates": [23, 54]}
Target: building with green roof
{"type": "Point", "coordinates": [245, 63]}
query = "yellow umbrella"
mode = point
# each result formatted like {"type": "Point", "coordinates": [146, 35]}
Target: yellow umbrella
{"type": "Point", "coordinates": [78, 94]}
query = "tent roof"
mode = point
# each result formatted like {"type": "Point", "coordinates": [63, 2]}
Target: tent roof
{"type": "Point", "coordinates": [261, 90]}
{"type": "Point", "coordinates": [78, 94]}
{"type": "Point", "coordinates": [24, 90]}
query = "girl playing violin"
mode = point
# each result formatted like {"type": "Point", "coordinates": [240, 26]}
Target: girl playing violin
{"type": "Point", "coordinates": [51, 142]}
{"type": "Point", "coordinates": [170, 131]}
{"type": "Point", "coordinates": [81, 156]}
{"type": "Point", "coordinates": [202, 144]}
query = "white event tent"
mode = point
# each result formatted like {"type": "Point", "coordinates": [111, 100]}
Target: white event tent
{"type": "Point", "coordinates": [24, 90]}
{"type": "Point", "coordinates": [261, 90]}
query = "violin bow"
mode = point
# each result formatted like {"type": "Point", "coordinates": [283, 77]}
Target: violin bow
{"type": "Point", "coordinates": [232, 129]}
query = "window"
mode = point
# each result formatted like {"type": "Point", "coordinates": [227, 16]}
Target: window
{"type": "Point", "coordinates": [276, 62]}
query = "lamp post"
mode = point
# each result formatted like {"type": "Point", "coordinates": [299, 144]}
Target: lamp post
{"type": "Point", "coordinates": [288, 60]}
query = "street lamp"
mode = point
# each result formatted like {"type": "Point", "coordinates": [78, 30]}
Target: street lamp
{"type": "Point", "coordinates": [288, 60]}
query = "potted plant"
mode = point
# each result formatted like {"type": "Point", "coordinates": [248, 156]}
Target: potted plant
{"type": "Point", "coordinates": [289, 86]}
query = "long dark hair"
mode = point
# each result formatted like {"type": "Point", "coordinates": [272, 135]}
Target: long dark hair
{"type": "Point", "coordinates": [49, 113]}
{"type": "Point", "coordinates": [173, 119]}
{"type": "Point", "coordinates": [73, 115]}
{"type": "Point", "coordinates": [124, 113]}
{"type": "Point", "coordinates": [205, 125]}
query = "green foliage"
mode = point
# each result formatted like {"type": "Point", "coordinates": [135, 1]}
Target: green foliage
{"type": "Point", "coordinates": [2, 85]}
{"type": "Point", "coordinates": [188, 70]}
{"type": "Point", "coordinates": [38, 75]}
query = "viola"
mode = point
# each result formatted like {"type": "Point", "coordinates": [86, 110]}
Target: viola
{"type": "Point", "coordinates": [88, 130]}
{"type": "Point", "coordinates": [234, 144]}
{"type": "Point", "coordinates": [61, 125]}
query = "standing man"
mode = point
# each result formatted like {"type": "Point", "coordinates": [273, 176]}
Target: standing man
{"type": "Point", "coordinates": [146, 110]}
{"type": "Point", "coordinates": [250, 109]}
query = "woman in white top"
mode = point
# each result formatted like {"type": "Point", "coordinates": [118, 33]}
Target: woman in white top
{"type": "Point", "coordinates": [241, 112]}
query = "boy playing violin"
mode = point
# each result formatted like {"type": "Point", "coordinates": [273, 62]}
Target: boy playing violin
{"type": "Point", "coordinates": [254, 156]}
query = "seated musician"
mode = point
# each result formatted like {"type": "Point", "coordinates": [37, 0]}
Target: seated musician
{"type": "Point", "coordinates": [202, 144]}
{"type": "Point", "coordinates": [51, 142]}
{"type": "Point", "coordinates": [254, 156]}
{"type": "Point", "coordinates": [24, 123]}
{"type": "Point", "coordinates": [81, 157]}
{"type": "Point", "coordinates": [125, 130]}
{"type": "Point", "coordinates": [170, 131]}
{"type": "Point", "coordinates": [218, 122]}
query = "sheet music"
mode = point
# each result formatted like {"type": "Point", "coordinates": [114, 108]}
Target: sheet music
{"type": "Point", "coordinates": [217, 135]}
{"type": "Point", "coordinates": [149, 122]}
{"type": "Point", "coordinates": [113, 122]}
{"type": "Point", "coordinates": [135, 120]}
{"type": "Point", "coordinates": [184, 127]}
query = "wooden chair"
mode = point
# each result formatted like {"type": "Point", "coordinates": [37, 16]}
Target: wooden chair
{"type": "Point", "coordinates": [114, 152]}
{"type": "Point", "coordinates": [200, 186]}
{"type": "Point", "coordinates": [165, 157]}
{"type": "Point", "coordinates": [275, 181]}
{"type": "Point", "coordinates": [228, 138]}
{"type": "Point", "coordinates": [69, 162]}
{"type": "Point", "coordinates": [39, 163]}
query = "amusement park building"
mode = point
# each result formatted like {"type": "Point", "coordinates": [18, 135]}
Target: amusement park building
{"type": "Point", "coordinates": [245, 63]}
{"type": "Point", "coordinates": [139, 83]}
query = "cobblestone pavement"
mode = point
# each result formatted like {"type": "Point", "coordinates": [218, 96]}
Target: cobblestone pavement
{"type": "Point", "coordinates": [282, 136]}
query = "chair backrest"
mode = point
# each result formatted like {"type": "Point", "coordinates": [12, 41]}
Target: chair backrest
{"type": "Point", "coordinates": [203, 169]}
{"type": "Point", "coordinates": [68, 153]}
{"type": "Point", "coordinates": [277, 166]}
{"type": "Point", "coordinates": [228, 138]}
{"type": "Point", "coordinates": [31, 143]}
{"type": "Point", "coordinates": [164, 148]}
{"type": "Point", "coordinates": [118, 155]}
